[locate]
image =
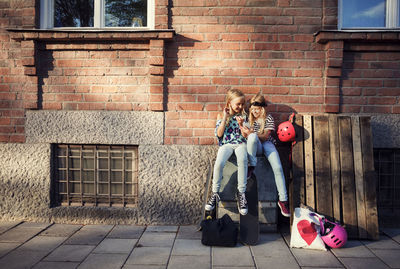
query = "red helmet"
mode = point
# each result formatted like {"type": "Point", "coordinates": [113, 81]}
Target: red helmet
{"type": "Point", "coordinates": [286, 132]}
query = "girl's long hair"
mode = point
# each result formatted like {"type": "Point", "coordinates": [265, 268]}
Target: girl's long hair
{"type": "Point", "coordinates": [261, 120]}
{"type": "Point", "coordinates": [230, 95]}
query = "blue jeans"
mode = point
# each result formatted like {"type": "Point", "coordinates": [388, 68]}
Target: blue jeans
{"type": "Point", "coordinates": [254, 147]}
{"type": "Point", "coordinates": [224, 152]}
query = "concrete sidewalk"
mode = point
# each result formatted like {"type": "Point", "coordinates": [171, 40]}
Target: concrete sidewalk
{"type": "Point", "coordinates": [46, 245]}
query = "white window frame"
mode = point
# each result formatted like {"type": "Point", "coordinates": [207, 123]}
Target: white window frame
{"type": "Point", "coordinates": [392, 17]}
{"type": "Point", "coordinates": [47, 16]}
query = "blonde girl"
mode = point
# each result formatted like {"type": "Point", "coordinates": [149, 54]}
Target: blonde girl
{"type": "Point", "coordinates": [260, 141]}
{"type": "Point", "coordinates": [231, 139]}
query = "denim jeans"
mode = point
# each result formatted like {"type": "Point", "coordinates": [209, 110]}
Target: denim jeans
{"type": "Point", "coordinates": [224, 152]}
{"type": "Point", "coordinates": [254, 147]}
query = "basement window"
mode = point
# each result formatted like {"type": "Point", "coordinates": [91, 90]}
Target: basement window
{"type": "Point", "coordinates": [96, 175]}
{"type": "Point", "coordinates": [387, 167]}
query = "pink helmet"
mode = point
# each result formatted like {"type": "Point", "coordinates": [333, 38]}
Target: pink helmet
{"type": "Point", "coordinates": [286, 132]}
{"type": "Point", "coordinates": [333, 234]}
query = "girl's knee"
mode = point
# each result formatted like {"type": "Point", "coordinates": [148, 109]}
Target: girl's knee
{"type": "Point", "coordinates": [252, 138]}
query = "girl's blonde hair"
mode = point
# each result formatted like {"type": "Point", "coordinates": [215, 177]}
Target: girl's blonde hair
{"type": "Point", "coordinates": [230, 95]}
{"type": "Point", "coordinates": [260, 101]}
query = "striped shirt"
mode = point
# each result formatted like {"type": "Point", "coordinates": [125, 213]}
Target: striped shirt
{"type": "Point", "coordinates": [268, 125]}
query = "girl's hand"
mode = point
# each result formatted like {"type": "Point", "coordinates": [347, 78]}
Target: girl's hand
{"type": "Point", "coordinates": [226, 112]}
{"type": "Point", "coordinates": [245, 131]}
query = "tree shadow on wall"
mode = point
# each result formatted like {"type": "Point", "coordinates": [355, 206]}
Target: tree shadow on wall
{"type": "Point", "coordinates": [180, 43]}
{"type": "Point", "coordinates": [44, 64]}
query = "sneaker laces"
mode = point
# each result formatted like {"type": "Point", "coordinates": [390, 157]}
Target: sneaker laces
{"type": "Point", "coordinates": [242, 200]}
{"type": "Point", "coordinates": [214, 198]}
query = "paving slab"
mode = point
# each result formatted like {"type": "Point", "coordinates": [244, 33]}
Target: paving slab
{"type": "Point", "coordinates": [353, 248]}
{"type": "Point", "coordinates": [70, 253]}
{"type": "Point", "coordinates": [271, 248]}
{"type": "Point", "coordinates": [115, 245]}
{"type": "Point", "coordinates": [58, 265]}
{"type": "Point", "coordinates": [163, 229]}
{"type": "Point", "coordinates": [190, 247]}
{"type": "Point", "coordinates": [18, 259]}
{"type": "Point", "coordinates": [315, 258]}
{"type": "Point", "coordinates": [389, 256]}
{"type": "Point", "coordinates": [19, 234]}
{"type": "Point", "coordinates": [103, 261]}
{"type": "Point", "coordinates": [394, 233]}
{"type": "Point", "coordinates": [61, 230]}
{"type": "Point", "coordinates": [38, 225]}
{"type": "Point", "coordinates": [7, 247]}
{"type": "Point", "coordinates": [192, 262]}
{"type": "Point", "coordinates": [237, 256]}
{"type": "Point", "coordinates": [363, 263]}
{"type": "Point", "coordinates": [384, 242]}
{"type": "Point", "coordinates": [276, 262]}
{"type": "Point", "coordinates": [89, 235]}
{"type": "Point", "coordinates": [150, 239]}
{"type": "Point", "coordinates": [143, 266]}
{"type": "Point", "coordinates": [189, 232]}
{"type": "Point", "coordinates": [126, 232]}
{"type": "Point", "coordinates": [6, 225]}
{"type": "Point", "coordinates": [43, 243]}
{"type": "Point", "coordinates": [321, 267]}
{"type": "Point", "coordinates": [149, 256]}
{"type": "Point", "coordinates": [236, 267]}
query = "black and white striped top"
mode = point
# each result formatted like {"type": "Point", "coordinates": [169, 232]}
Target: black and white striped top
{"type": "Point", "coordinates": [268, 125]}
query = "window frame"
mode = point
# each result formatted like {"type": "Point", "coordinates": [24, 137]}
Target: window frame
{"type": "Point", "coordinates": [47, 17]}
{"type": "Point", "coordinates": [63, 180]}
{"type": "Point", "coordinates": [392, 17]}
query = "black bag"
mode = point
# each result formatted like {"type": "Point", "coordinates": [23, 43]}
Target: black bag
{"type": "Point", "coordinates": [219, 232]}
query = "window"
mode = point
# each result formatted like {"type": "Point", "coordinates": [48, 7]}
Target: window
{"type": "Point", "coordinates": [387, 167]}
{"type": "Point", "coordinates": [88, 175]}
{"type": "Point", "coordinates": [369, 14]}
{"type": "Point", "coordinates": [97, 14]}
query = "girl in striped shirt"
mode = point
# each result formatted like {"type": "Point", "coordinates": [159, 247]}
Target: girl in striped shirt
{"type": "Point", "coordinates": [260, 141]}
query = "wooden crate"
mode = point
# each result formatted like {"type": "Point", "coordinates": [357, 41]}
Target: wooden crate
{"type": "Point", "coordinates": [333, 171]}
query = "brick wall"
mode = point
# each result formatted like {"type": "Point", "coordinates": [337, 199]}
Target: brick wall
{"type": "Point", "coordinates": [370, 81]}
{"type": "Point", "coordinates": [15, 87]}
{"type": "Point", "coordinates": [250, 45]}
{"type": "Point", "coordinates": [91, 78]}
{"type": "Point", "coordinates": [253, 45]}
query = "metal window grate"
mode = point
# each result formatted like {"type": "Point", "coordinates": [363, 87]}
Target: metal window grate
{"type": "Point", "coordinates": [387, 166]}
{"type": "Point", "coordinates": [96, 175]}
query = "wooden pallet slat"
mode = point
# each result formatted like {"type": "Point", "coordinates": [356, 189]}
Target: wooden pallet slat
{"type": "Point", "coordinates": [309, 161]}
{"type": "Point", "coordinates": [335, 167]}
{"type": "Point", "coordinates": [358, 177]}
{"type": "Point", "coordinates": [349, 206]}
{"type": "Point", "coordinates": [296, 186]}
{"type": "Point", "coordinates": [369, 179]}
{"type": "Point", "coordinates": [323, 185]}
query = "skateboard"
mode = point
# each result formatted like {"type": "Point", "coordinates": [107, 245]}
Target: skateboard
{"type": "Point", "coordinates": [207, 192]}
{"type": "Point", "coordinates": [249, 223]}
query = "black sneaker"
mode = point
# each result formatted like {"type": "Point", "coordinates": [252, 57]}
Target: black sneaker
{"type": "Point", "coordinates": [242, 203]}
{"type": "Point", "coordinates": [212, 202]}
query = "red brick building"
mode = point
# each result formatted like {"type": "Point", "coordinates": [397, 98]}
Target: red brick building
{"type": "Point", "coordinates": [305, 56]}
